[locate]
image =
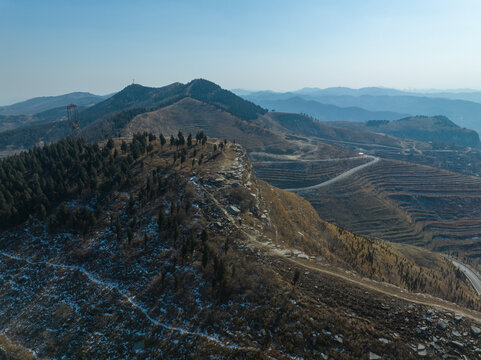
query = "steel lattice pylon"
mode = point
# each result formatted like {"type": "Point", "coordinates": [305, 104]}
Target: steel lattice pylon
{"type": "Point", "coordinates": [73, 119]}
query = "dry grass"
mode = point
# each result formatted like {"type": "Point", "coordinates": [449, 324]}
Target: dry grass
{"type": "Point", "coordinates": [190, 115]}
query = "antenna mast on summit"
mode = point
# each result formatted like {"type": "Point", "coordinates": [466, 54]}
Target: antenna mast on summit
{"type": "Point", "coordinates": [73, 119]}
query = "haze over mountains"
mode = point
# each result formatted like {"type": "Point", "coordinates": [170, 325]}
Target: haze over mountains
{"type": "Point", "coordinates": [41, 104]}
{"type": "Point", "coordinates": [44, 109]}
{"type": "Point", "coordinates": [464, 108]}
{"type": "Point", "coordinates": [461, 94]}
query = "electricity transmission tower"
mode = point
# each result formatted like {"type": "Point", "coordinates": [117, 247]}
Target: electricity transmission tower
{"type": "Point", "coordinates": [73, 118]}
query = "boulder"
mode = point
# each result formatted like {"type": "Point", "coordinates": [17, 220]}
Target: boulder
{"type": "Point", "coordinates": [384, 340]}
{"type": "Point", "coordinates": [456, 333]}
{"type": "Point", "coordinates": [423, 353]}
{"type": "Point", "coordinates": [421, 330]}
{"type": "Point", "coordinates": [457, 344]}
{"type": "Point", "coordinates": [339, 338]}
{"type": "Point", "coordinates": [475, 331]}
{"type": "Point", "coordinates": [233, 210]}
{"type": "Point", "coordinates": [458, 318]}
{"type": "Point", "coordinates": [442, 325]}
{"type": "Point", "coordinates": [373, 356]}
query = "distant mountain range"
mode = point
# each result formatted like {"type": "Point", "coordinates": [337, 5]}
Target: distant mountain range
{"type": "Point", "coordinates": [47, 109]}
{"type": "Point", "coordinates": [464, 94]}
{"type": "Point", "coordinates": [44, 103]}
{"type": "Point", "coordinates": [327, 112]}
{"type": "Point", "coordinates": [464, 108]}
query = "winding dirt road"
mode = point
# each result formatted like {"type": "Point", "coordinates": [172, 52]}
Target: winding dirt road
{"type": "Point", "coordinates": [342, 176]}
{"type": "Point", "coordinates": [473, 277]}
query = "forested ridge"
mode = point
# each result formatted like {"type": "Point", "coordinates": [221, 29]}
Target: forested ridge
{"type": "Point", "coordinates": [35, 182]}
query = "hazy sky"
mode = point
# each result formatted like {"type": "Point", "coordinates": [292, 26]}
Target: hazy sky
{"type": "Point", "coordinates": [54, 47]}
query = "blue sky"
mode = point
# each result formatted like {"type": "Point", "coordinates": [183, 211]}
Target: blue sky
{"type": "Point", "coordinates": [54, 47]}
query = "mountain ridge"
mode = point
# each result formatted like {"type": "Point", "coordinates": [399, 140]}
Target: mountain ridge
{"type": "Point", "coordinates": [463, 112]}
{"type": "Point", "coordinates": [328, 112]}
{"type": "Point", "coordinates": [44, 103]}
{"type": "Point", "coordinates": [454, 94]}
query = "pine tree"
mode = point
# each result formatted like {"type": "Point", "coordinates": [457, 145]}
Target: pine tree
{"type": "Point", "coordinates": [205, 255]}
{"type": "Point", "coordinates": [297, 274]}
{"type": "Point", "coordinates": [181, 138]}
{"type": "Point", "coordinates": [204, 236]}
{"type": "Point", "coordinates": [161, 219]}
{"type": "Point", "coordinates": [118, 228]}
{"type": "Point", "coordinates": [42, 213]}
{"type": "Point", "coordinates": [162, 140]}
{"type": "Point", "coordinates": [123, 147]}
{"type": "Point", "coordinates": [110, 144]}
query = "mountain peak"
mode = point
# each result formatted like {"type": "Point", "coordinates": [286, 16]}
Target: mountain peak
{"type": "Point", "coordinates": [201, 86]}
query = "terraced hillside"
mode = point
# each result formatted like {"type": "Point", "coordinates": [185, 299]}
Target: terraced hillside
{"type": "Point", "coordinates": [424, 128]}
{"type": "Point", "coordinates": [462, 159]}
{"type": "Point", "coordinates": [405, 202]}
{"type": "Point", "coordinates": [293, 174]}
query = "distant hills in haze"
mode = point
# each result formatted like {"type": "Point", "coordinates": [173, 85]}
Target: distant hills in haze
{"type": "Point", "coordinates": [46, 109]}
{"type": "Point", "coordinates": [464, 107]}
{"type": "Point", "coordinates": [463, 94]}
{"type": "Point", "coordinates": [44, 103]}
{"type": "Point", "coordinates": [328, 112]}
